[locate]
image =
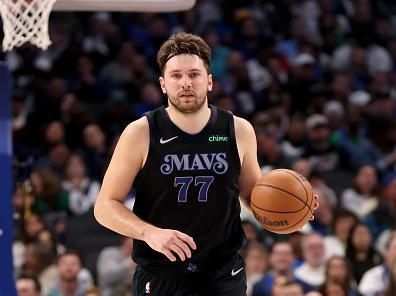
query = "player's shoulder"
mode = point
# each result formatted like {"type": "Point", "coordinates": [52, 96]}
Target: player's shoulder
{"type": "Point", "coordinates": [138, 128]}
{"type": "Point", "coordinates": [242, 126]}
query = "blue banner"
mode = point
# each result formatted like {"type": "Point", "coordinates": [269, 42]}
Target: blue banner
{"type": "Point", "coordinates": [7, 285]}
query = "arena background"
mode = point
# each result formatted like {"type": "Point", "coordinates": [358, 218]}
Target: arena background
{"type": "Point", "coordinates": [315, 78]}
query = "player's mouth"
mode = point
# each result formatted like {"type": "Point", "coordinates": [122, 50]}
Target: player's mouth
{"type": "Point", "coordinates": [187, 95]}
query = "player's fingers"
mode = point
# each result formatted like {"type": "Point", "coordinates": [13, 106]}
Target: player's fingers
{"type": "Point", "coordinates": [169, 254]}
{"type": "Point", "coordinates": [185, 248]}
{"type": "Point", "coordinates": [316, 201]}
{"type": "Point", "coordinates": [312, 218]}
{"type": "Point", "coordinates": [176, 249]}
{"type": "Point", "coordinates": [187, 239]}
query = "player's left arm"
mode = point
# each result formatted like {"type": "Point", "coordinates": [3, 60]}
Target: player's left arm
{"type": "Point", "coordinates": [250, 169]}
{"type": "Point", "coordinates": [247, 149]}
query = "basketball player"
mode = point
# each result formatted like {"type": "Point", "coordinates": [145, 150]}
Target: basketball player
{"type": "Point", "coordinates": [188, 163]}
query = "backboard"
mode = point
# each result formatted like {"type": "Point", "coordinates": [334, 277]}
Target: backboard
{"type": "Point", "coordinates": [124, 5]}
{"type": "Point", "coordinates": [27, 20]}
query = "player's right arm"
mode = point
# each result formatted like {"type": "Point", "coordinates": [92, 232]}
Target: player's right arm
{"type": "Point", "coordinates": [127, 160]}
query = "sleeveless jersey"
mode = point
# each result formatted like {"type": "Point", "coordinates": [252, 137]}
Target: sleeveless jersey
{"type": "Point", "coordinates": [190, 183]}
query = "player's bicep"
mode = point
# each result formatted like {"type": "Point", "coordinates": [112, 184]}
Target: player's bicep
{"type": "Point", "coordinates": [126, 162]}
{"type": "Point", "coordinates": [247, 144]}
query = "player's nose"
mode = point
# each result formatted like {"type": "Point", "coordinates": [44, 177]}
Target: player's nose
{"type": "Point", "coordinates": [186, 81]}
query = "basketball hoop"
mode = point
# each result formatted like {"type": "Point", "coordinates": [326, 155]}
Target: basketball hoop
{"type": "Point", "coordinates": [27, 20]}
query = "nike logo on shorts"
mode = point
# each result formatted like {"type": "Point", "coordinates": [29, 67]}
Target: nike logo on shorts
{"type": "Point", "coordinates": [235, 272]}
{"type": "Point", "coordinates": [162, 141]}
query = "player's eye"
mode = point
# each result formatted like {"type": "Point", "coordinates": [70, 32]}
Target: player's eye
{"type": "Point", "coordinates": [194, 75]}
{"type": "Point", "coordinates": [176, 75]}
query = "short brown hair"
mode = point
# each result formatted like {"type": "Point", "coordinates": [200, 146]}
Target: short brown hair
{"type": "Point", "coordinates": [70, 252]}
{"type": "Point", "coordinates": [183, 43]}
{"type": "Point", "coordinates": [37, 285]}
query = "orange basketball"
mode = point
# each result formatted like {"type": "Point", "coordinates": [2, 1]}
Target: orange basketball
{"type": "Point", "coordinates": [282, 201]}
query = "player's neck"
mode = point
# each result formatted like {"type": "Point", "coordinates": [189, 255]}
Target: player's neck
{"type": "Point", "coordinates": [191, 123]}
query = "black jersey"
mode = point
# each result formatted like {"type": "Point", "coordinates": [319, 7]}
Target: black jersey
{"type": "Point", "coordinates": [190, 183]}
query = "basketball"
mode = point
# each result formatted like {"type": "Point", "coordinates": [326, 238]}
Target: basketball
{"type": "Point", "coordinates": [282, 201]}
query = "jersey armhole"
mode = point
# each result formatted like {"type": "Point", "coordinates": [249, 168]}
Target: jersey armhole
{"type": "Point", "coordinates": [233, 139]}
{"type": "Point", "coordinates": [151, 148]}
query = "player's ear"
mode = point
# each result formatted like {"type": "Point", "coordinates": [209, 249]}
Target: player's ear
{"type": "Point", "coordinates": [210, 82]}
{"type": "Point", "coordinates": [162, 84]}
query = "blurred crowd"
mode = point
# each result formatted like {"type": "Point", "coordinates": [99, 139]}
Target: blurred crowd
{"type": "Point", "coordinates": [315, 78]}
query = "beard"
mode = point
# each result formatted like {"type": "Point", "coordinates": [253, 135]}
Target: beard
{"type": "Point", "coordinates": [187, 107]}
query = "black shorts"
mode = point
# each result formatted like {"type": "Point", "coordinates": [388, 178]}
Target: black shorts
{"type": "Point", "coordinates": [228, 280]}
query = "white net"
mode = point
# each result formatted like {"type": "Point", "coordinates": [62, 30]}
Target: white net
{"type": "Point", "coordinates": [25, 21]}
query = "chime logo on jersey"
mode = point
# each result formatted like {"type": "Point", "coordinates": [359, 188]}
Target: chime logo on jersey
{"type": "Point", "coordinates": [218, 138]}
{"type": "Point", "coordinates": [216, 162]}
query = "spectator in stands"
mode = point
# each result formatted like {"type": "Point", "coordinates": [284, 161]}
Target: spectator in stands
{"type": "Point", "coordinates": [353, 135]}
{"type": "Point", "coordinates": [151, 98]}
{"type": "Point", "coordinates": [339, 270]}
{"type": "Point", "coordinates": [252, 232]}
{"type": "Point", "coordinates": [270, 154]}
{"type": "Point", "coordinates": [360, 250]}
{"type": "Point", "coordinates": [390, 289]}
{"type": "Point", "coordinates": [295, 239]}
{"type": "Point", "coordinates": [69, 281]}
{"type": "Point", "coordinates": [361, 60]}
{"type": "Point", "coordinates": [81, 189]}
{"type": "Point", "coordinates": [54, 133]}
{"type": "Point", "coordinates": [314, 293]}
{"type": "Point", "coordinates": [256, 259]}
{"type": "Point", "coordinates": [294, 141]}
{"type": "Point", "coordinates": [248, 36]}
{"type": "Point", "coordinates": [382, 134]}
{"type": "Point", "coordinates": [75, 116]}
{"type": "Point", "coordinates": [312, 271]}
{"type": "Point", "coordinates": [28, 286]}
{"type": "Point", "coordinates": [237, 83]}
{"type": "Point", "coordinates": [340, 86]}
{"type": "Point", "coordinates": [284, 287]}
{"type": "Point", "coordinates": [320, 152]}
{"type": "Point", "coordinates": [86, 84]}
{"type": "Point", "coordinates": [219, 53]}
{"type": "Point", "coordinates": [21, 203]}
{"type": "Point", "coordinates": [48, 192]}
{"type": "Point", "coordinates": [39, 262]}
{"type": "Point", "coordinates": [298, 35]}
{"type": "Point", "coordinates": [384, 216]}
{"type": "Point", "coordinates": [361, 199]}
{"type": "Point", "coordinates": [281, 262]}
{"type": "Point", "coordinates": [47, 238]}
{"type": "Point", "coordinates": [95, 150]}
{"type": "Point", "coordinates": [93, 292]}
{"type": "Point", "coordinates": [34, 225]}
{"type": "Point", "coordinates": [333, 288]}
{"type": "Point", "coordinates": [336, 243]}
{"type": "Point", "coordinates": [54, 160]}
{"type": "Point", "coordinates": [116, 74]}
{"type": "Point", "coordinates": [375, 280]}
{"type": "Point", "coordinates": [115, 268]}
{"type": "Point", "coordinates": [303, 167]}
{"type": "Point", "coordinates": [324, 219]}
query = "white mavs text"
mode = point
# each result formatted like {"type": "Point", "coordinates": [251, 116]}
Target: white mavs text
{"type": "Point", "coordinates": [216, 162]}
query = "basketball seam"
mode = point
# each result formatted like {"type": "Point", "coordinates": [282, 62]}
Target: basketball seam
{"type": "Point", "coordinates": [291, 212]}
{"type": "Point", "coordinates": [308, 206]}
{"type": "Point", "coordinates": [275, 187]}
{"type": "Point", "coordinates": [302, 184]}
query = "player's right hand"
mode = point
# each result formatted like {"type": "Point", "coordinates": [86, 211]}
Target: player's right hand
{"type": "Point", "coordinates": [170, 242]}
